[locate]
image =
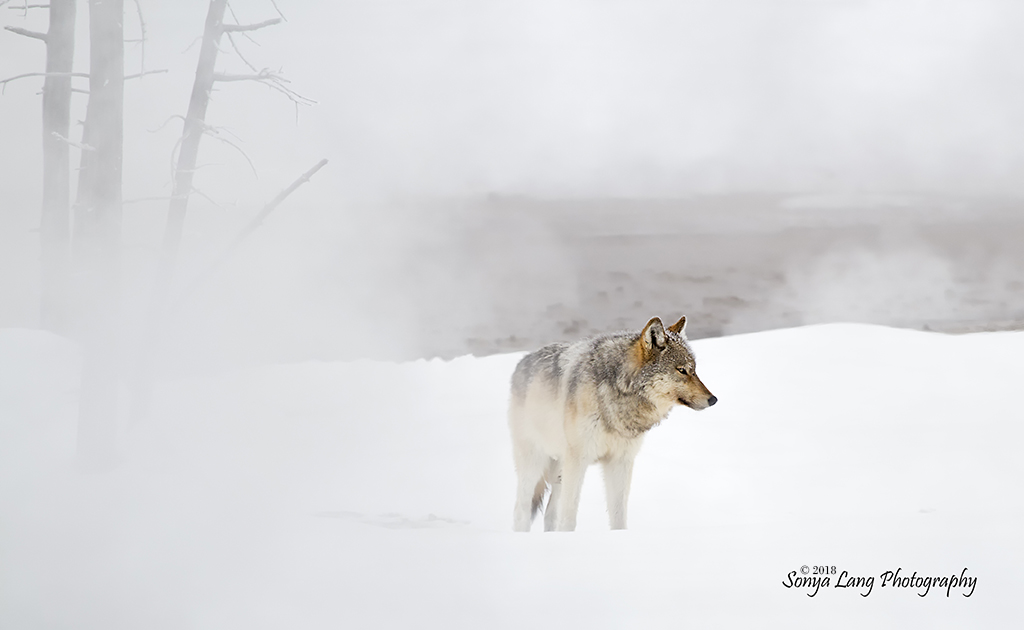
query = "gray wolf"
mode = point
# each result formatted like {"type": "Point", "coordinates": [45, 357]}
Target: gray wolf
{"type": "Point", "coordinates": [573, 405]}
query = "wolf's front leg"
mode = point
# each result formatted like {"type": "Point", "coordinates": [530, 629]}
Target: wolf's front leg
{"type": "Point", "coordinates": [569, 494]}
{"type": "Point", "coordinates": [618, 474]}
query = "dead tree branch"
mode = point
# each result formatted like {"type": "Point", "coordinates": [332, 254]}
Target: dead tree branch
{"type": "Point", "coordinates": [207, 197]}
{"type": "Point", "coordinates": [24, 31]}
{"type": "Point", "coordinates": [278, 10]}
{"type": "Point", "coordinates": [240, 28]}
{"type": "Point", "coordinates": [278, 199]}
{"type": "Point", "coordinates": [174, 157]}
{"type": "Point", "coordinates": [142, 40]}
{"type": "Point", "coordinates": [142, 74]}
{"type": "Point", "coordinates": [189, 47]}
{"type": "Point", "coordinates": [269, 78]}
{"type": "Point", "coordinates": [214, 133]}
{"type": "Point", "coordinates": [4, 82]}
{"type": "Point", "coordinates": [246, 231]}
{"type": "Point", "coordinates": [262, 75]}
{"type": "Point", "coordinates": [25, 7]}
{"type": "Point", "coordinates": [164, 123]}
{"type": "Point", "coordinates": [239, 53]}
{"type": "Point", "coordinates": [244, 34]}
{"type": "Point", "coordinates": [84, 75]}
{"type": "Point", "coordinates": [77, 145]}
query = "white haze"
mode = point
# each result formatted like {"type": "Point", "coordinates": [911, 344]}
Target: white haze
{"type": "Point", "coordinates": [452, 100]}
{"type": "Point", "coordinates": [582, 98]}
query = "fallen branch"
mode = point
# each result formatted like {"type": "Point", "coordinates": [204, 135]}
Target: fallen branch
{"type": "Point", "coordinates": [246, 231]}
{"type": "Point", "coordinates": [255, 223]}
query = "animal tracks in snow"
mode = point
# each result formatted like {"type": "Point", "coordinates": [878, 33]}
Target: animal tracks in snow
{"type": "Point", "coordinates": [392, 520]}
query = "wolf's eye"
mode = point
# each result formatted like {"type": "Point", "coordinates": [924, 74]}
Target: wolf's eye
{"type": "Point", "coordinates": [683, 371]}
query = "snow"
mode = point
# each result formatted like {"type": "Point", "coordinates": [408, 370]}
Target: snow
{"type": "Point", "coordinates": [379, 495]}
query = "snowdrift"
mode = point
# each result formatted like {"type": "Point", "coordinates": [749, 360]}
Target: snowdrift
{"type": "Point", "coordinates": [378, 495]}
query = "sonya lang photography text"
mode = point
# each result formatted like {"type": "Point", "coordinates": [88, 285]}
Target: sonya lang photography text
{"type": "Point", "coordinates": [813, 579]}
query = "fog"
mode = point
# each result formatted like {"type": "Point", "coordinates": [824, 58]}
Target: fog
{"type": "Point", "coordinates": [433, 114]}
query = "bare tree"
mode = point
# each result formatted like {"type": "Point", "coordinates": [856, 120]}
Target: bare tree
{"type": "Point", "coordinates": [195, 121]}
{"type": "Point", "coordinates": [194, 128]}
{"type": "Point", "coordinates": [189, 144]}
{"type": "Point", "coordinates": [97, 228]}
{"type": "Point", "coordinates": [55, 228]}
{"type": "Point", "coordinates": [55, 219]}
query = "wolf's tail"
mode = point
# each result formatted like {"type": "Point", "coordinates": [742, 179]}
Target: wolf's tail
{"type": "Point", "coordinates": [537, 506]}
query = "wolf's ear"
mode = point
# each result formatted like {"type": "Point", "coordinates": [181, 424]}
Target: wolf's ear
{"type": "Point", "coordinates": [653, 336]}
{"type": "Point", "coordinates": [679, 326]}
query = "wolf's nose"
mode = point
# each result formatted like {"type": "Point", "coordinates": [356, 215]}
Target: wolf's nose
{"type": "Point", "coordinates": [712, 401]}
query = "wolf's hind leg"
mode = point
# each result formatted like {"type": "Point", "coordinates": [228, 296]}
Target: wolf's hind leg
{"type": "Point", "coordinates": [618, 474]}
{"type": "Point", "coordinates": [553, 475]}
{"type": "Point", "coordinates": [530, 491]}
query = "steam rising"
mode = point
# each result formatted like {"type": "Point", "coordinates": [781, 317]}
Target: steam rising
{"type": "Point", "coordinates": [425, 109]}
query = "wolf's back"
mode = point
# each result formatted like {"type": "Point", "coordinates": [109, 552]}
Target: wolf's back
{"type": "Point", "coordinates": [543, 365]}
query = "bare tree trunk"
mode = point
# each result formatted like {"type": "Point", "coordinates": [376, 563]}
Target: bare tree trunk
{"type": "Point", "coordinates": [188, 153]}
{"type": "Point", "coordinates": [195, 121]}
{"type": "Point", "coordinates": [97, 233]}
{"type": "Point", "coordinates": [55, 224]}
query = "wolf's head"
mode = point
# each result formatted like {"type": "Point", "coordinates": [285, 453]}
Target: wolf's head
{"type": "Point", "coordinates": [668, 374]}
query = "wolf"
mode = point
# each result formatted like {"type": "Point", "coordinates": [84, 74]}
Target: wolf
{"type": "Point", "coordinates": [573, 405]}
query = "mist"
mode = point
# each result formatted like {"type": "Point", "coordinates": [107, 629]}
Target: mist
{"type": "Point", "coordinates": [433, 114]}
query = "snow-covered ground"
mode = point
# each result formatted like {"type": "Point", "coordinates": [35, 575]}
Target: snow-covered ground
{"type": "Point", "coordinates": [379, 495]}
